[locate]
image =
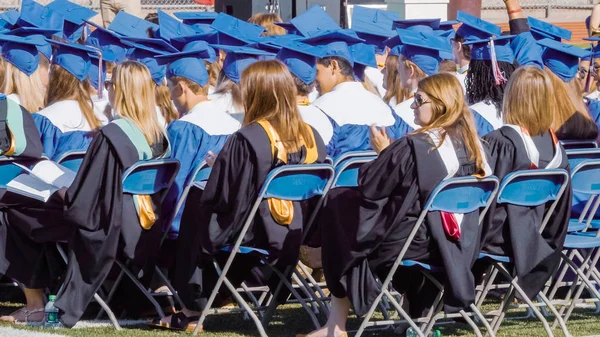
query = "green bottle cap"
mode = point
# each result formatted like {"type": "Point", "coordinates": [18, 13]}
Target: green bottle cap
{"type": "Point", "coordinates": [52, 298]}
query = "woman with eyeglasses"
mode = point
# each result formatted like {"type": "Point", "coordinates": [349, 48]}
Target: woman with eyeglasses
{"type": "Point", "coordinates": [363, 229]}
{"type": "Point", "coordinates": [525, 142]}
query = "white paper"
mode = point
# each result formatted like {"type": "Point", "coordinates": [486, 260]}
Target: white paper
{"type": "Point", "coordinates": [45, 178]}
{"type": "Point", "coordinates": [53, 173]}
{"type": "Point", "coordinates": [31, 187]}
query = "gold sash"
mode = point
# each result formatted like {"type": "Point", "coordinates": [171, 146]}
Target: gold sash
{"type": "Point", "coordinates": [282, 211]}
{"type": "Point", "coordinates": [13, 145]}
{"type": "Point", "coordinates": [145, 211]}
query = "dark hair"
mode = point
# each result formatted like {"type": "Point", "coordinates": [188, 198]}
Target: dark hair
{"type": "Point", "coordinates": [480, 83]}
{"type": "Point", "coordinates": [152, 17]}
{"type": "Point", "coordinates": [303, 88]}
{"type": "Point", "coordinates": [466, 49]}
{"type": "Point", "coordinates": [345, 66]}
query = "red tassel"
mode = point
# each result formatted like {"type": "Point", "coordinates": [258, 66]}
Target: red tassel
{"type": "Point", "coordinates": [451, 226]}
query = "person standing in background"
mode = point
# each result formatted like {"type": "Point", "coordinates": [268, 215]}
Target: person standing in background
{"type": "Point", "coordinates": [110, 8]}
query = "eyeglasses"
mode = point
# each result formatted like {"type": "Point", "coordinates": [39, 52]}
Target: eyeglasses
{"type": "Point", "coordinates": [419, 101]}
{"type": "Point", "coordinates": [108, 85]}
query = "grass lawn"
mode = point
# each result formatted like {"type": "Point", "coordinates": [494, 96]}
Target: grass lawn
{"type": "Point", "coordinates": [291, 319]}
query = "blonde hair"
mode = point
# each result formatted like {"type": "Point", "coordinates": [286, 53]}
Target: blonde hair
{"type": "Point", "coordinates": [270, 93]}
{"type": "Point", "coordinates": [393, 85]}
{"type": "Point", "coordinates": [30, 89]}
{"type": "Point", "coordinates": [369, 86]}
{"type": "Point", "coordinates": [267, 21]}
{"type": "Point", "coordinates": [450, 114]}
{"type": "Point", "coordinates": [529, 100]}
{"type": "Point", "coordinates": [164, 103]}
{"type": "Point", "coordinates": [133, 77]}
{"type": "Point", "coordinates": [418, 73]}
{"type": "Point", "coordinates": [225, 85]}
{"type": "Point", "coordinates": [568, 100]}
{"type": "Point", "coordinates": [64, 86]}
{"type": "Point", "coordinates": [213, 70]}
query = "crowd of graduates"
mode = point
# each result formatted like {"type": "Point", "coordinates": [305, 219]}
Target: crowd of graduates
{"type": "Point", "coordinates": [433, 99]}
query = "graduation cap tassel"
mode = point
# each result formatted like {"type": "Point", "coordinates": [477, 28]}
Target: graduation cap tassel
{"type": "Point", "coordinates": [498, 75]}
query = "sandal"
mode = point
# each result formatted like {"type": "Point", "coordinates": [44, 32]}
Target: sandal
{"type": "Point", "coordinates": [179, 322]}
{"type": "Point", "coordinates": [24, 316]}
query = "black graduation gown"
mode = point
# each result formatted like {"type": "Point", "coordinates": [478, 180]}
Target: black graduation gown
{"type": "Point", "coordinates": [363, 229]}
{"type": "Point", "coordinates": [577, 127]}
{"type": "Point", "coordinates": [514, 230]}
{"type": "Point", "coordinates": [213, 217]}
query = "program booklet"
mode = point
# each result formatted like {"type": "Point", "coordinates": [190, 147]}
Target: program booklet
{"type": "Point", "coordinates": [42, 180]}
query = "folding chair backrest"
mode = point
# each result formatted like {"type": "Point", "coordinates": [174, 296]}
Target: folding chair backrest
{"type": "Point", "coordinates": [353, 154]}
{"type": "Point", "coordinates": [346, 174]}
{"type": "Point", "coordinates": [8, 171]}
{"type": "Point", "coordinates": [202, 172]}
{"type": "Point", "coordinates": [585, 177]}
{"type": "Point", "coordinates": [150, 177]}
{"type": "Point", "coordinates": [577, 156]}
{"type": "Point", "coordinates": [297, 182]}
{"type": "Point", "coordinates": [532, 188]}
{"type": "Point", "coordinates": [72, 160]}
{"type": "Point", "coordinates": [579, 144]}
{"type": "Point", "coordinates": [463, 195]}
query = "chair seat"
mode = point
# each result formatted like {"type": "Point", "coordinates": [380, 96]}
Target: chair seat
{"type": "Point", "coordinates": [246, 250]}
{"type": "Point", "coordinates": [582, 241]}
{"type": "Point", "coordinates": [412, 263]}
{"type": "Point", "coordinates": [576, 226]}
{"type": "Point", "coordinates": [498, 258]}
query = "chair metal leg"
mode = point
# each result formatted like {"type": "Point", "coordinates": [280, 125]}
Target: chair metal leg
{"type": "Point", "coordinates": [169, 286]}
{"type": "Point", "coordinates": [111, 292]}
{"type": "Point", "coordinates": [471, 323]}
{"type": "Point", "coordinates": [483, 320]}
{"type": "Point", "coordinates": [134, 279]}
{"type": "Point", "coordinates": [248, 310]}
{"type": "Point", "coordinates": [111, 315]}
{"type": "Point", "coordinates": [290, 287]}
{"type": "Point", "coordinates": [488, 281]}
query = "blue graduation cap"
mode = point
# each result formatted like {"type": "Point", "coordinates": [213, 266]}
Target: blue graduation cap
{"type": "Point", "coordinates": [447, 28]}
{"type": "Point", "coordinates": [541, 30]}
{"type": "Point", "coordinates": [396, 51]}
{"type": "Point", "coordinates": [74, 15]}
{"type": "Point", "coordinates": [190, 63]}
{"type": "Point", "coordinates": [373, 25]}
{"type": "Point", "coordinates": [235, 32]}
{"type": "Point", "coordinates": [562, 58]}
{"type": "Point", "coordinates": [8, 19]}
{"type": "Point", "coordinates": [107, 41]}
{"type": "Point", "coordinates": [73, 57]}
{"type": "Point", "coordinates": [35, 15]}
{"type": "Point", "coordinates": [418, 25]}
{"type": "Point", "coordinates": [239, 58]}
{"type": "Point", "coordinates": [181, 41]}
{"type": "Point", "coordinates": [364, 56]}
{"type": "Point", "coordinates": [192, 18]}
{"type": "Point", "coordinates": [36, 33]}
{"type": "Point", "coordinates": [423, 49]}
{"type": "Point", "coordinates": [301, 59]}
{"type": "Point", "coordinates": [146, 53]}
{"type": "Point", "coordinates": [314, 21]}
{"type": "Point", "coordinates": [481, 49]}
{"type": "Point", "coordinates": [335, 43]}
{"type": "Point", "coordinates": [22, 52]}
{"type": "Point", "coordinates": [289, 27]}
{"type": "Point", "coordinates": [474, 28]}
{"type": "Point", "coordinates": [145, 42]}
{"type": "Point", "coordinates": [131, 26]}
{"type": "Point", "coordinates": [169, 27]}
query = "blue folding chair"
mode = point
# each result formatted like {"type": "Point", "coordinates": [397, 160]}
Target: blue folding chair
{"type": "Point", "coordinates": [289, 182]}
{"type": "Point", "coordinates": [576, 156]}
{"type": "Point", "coordinates": [529, 188]}
{"type": "Point", "coordinates": [353, 154]}
{"type": "Point", "coordinates": [72, 159]}
{"type": "Point", "coordinates": [583, 246]}
{"type": "Point", "coordinates": [578, 144]}
{"type": "Point", "coordinates": [8, 171]}
{"type": "Point", "coordinates": [454, 195]}
{"type": "Point", "coordinates": [143, 178]}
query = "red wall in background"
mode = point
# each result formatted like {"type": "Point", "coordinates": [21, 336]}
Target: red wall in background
{"type": "Point", "coordinates": [205, 2]}
{"type": "Point", "coordinates": [472, 7]}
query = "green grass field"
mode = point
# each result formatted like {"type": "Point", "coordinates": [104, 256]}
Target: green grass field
{"type": "Point", "coordinates": [291, 319]}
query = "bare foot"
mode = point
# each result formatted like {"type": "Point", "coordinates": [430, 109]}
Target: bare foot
{"type": "Point", "coordinates": [327, 332]}
{"type": "Point", "coordinates": [24, 316]}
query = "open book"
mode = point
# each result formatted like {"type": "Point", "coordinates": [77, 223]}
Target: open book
{"type": "Point", "coordinates": [41, 181]}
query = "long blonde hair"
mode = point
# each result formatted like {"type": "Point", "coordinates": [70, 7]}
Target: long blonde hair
{"type": "Point", "coordinates": [568, 100]}
{"type": "Point", "coordinates": [64, 86]}
{"type": "Point", "coordinates": [269, 93]}
{"type": "Point", "coordinates": [393, 86]}
{"type": "Point", "coordinates": [450, 114]}
{"type": "Point", "coordinates": [31, 89]}
{"type": "Point", "coordinates": [134, 98]}
{"type": "Point", "coordinates": [529, 100]}
{"type": "Point", "coordinates": [162, 96]}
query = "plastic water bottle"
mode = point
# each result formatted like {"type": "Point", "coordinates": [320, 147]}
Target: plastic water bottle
{"type": "Point", "coordinates": [51, 313]}
{"type": "Point", "coordinates": [413, 333]}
